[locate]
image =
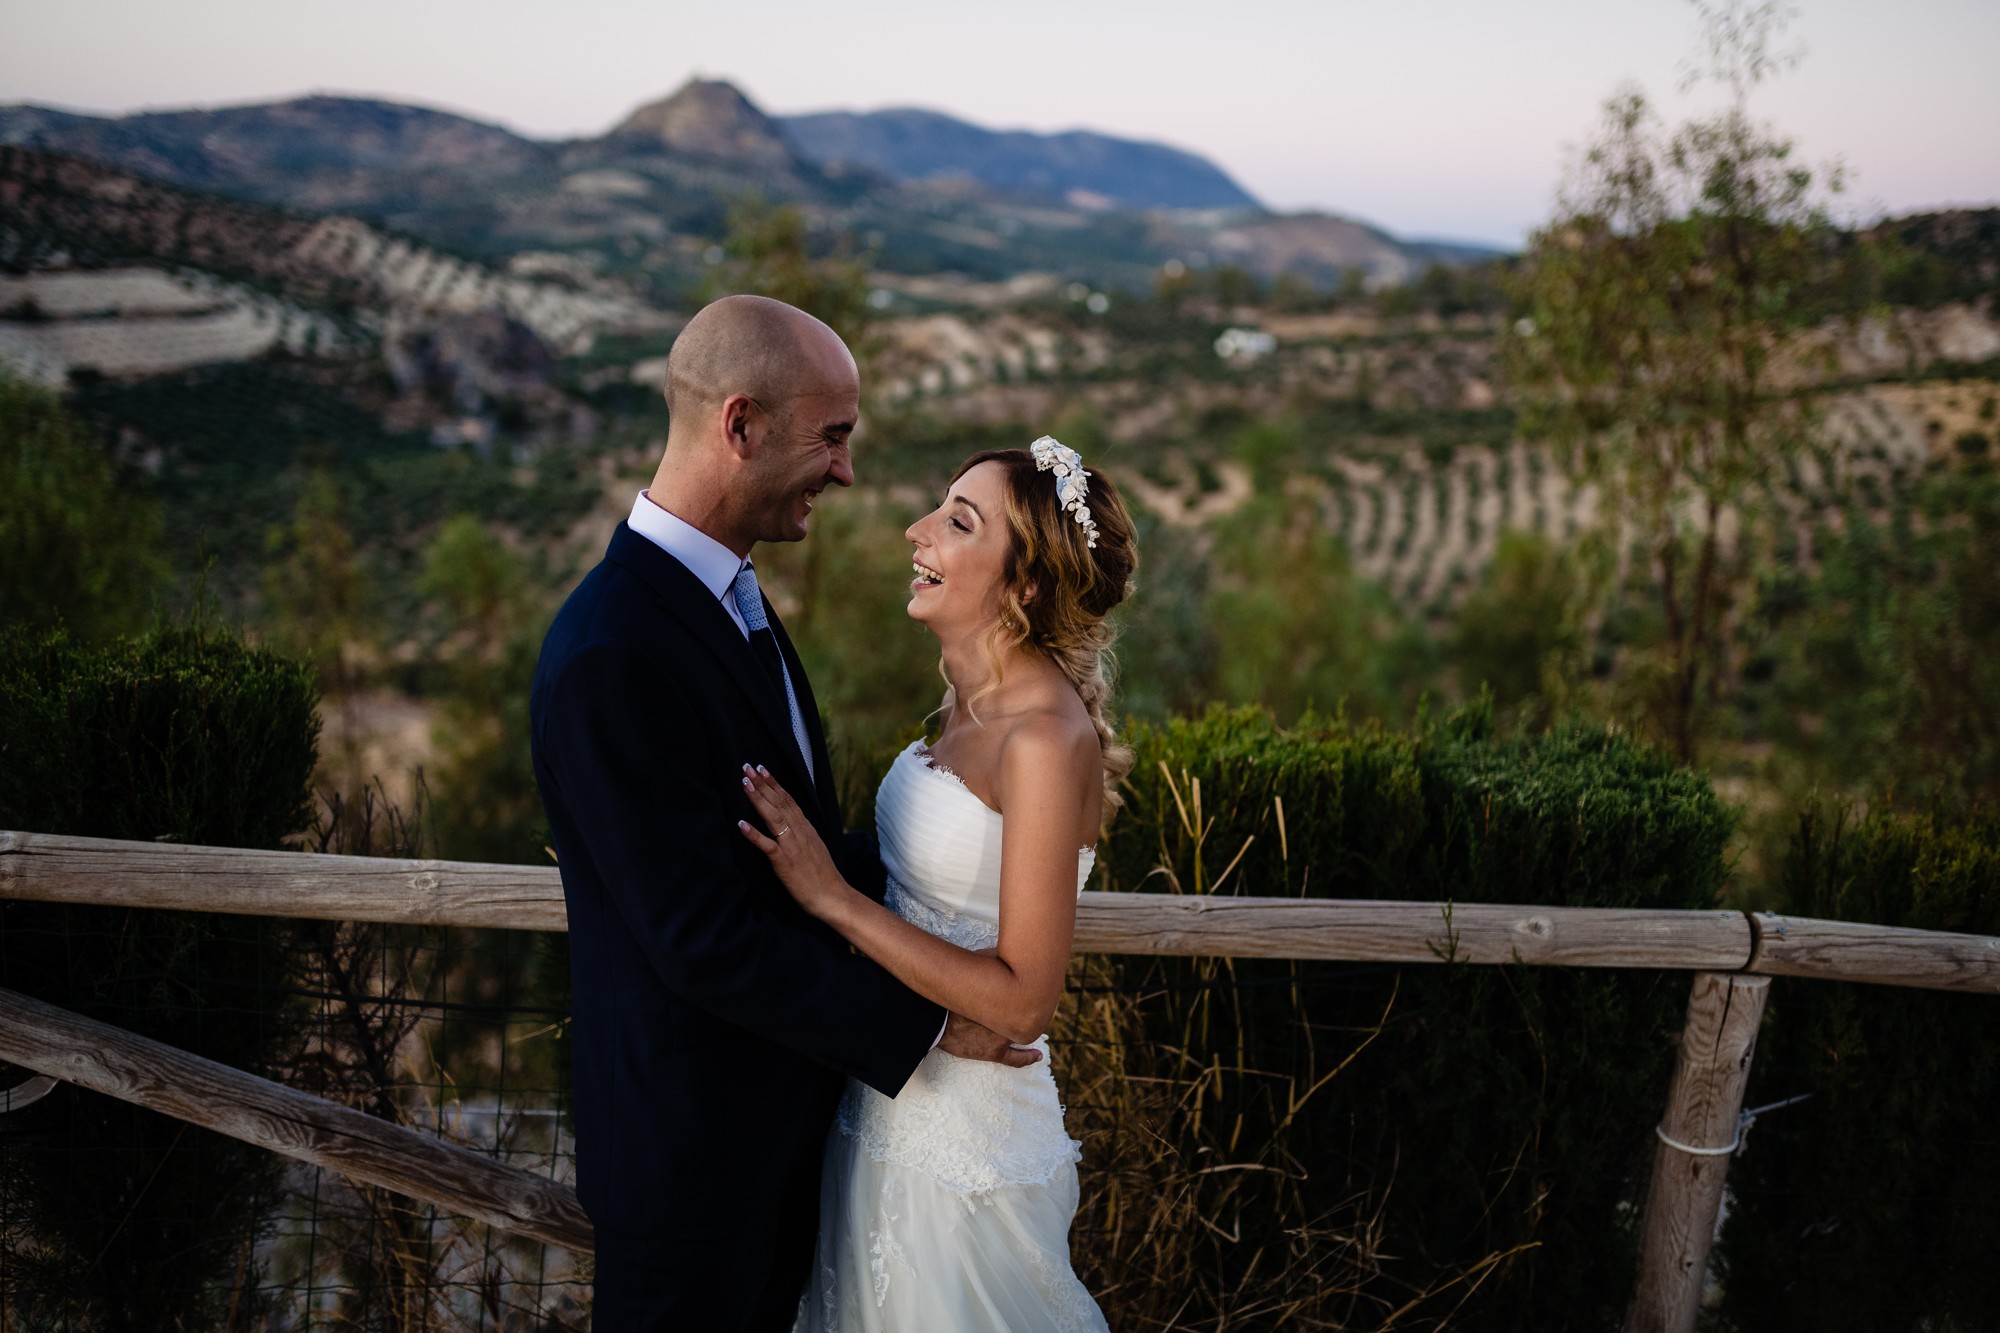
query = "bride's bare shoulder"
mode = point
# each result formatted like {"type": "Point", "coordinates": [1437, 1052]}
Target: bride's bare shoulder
{"type": "Point", "coordinates": [1043, 742]}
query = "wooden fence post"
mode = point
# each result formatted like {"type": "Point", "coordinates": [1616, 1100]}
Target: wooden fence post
{"type": "Point", "coordinates": [1697, 1137]}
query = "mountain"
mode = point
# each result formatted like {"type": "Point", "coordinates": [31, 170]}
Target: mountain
{"type": "Point", "coordinates": [1078, 166]}
{"type": "Point", "coordinates": [710, 119]}
{"type": "Point", "coordinates": [312, 152]}
{"type": "Point", "coordinates": [644, 204]}
{"type": "Point", "coordinates": [344, 152]}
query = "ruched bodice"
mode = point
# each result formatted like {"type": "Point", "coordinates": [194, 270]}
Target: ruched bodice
{"type": "Point", "coordinates": [941, 847]}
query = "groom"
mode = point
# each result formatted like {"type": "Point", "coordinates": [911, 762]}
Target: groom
{"type": "Point", "coordinates": [713, 1019]}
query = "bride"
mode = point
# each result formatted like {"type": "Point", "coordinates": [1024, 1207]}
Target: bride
{"type": "Point", "coordinates": [948, 1206]}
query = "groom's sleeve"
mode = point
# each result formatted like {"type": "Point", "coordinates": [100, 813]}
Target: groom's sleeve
{"type": "Point", "coordinates": [664, 844]}
{"type": "Point", "coordinates": [859, 857]}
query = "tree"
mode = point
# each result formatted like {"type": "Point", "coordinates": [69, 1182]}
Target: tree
{"type": "Point", "coordinates": [78, 547]}
{"type": "Point", "coordinates": [1296, 628]}
{"type": "Point", "coordinates": [486, 805]}
{"type": "Point", "coordinates": [315, 586]}
{"type": "Point", "coordinates": [1519, 632]}
{"type": "Point", "coordinates": [1652, 305]}
{"type": "Point", "coordinates": [769, 253]}
{"type": "Point", "coordinates": [1889, 680]}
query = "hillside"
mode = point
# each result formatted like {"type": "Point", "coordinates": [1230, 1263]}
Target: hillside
{"type": "Point", "coordinates": [236, 146]}
{"type": "Point", "coordinates": [176, 277]}
{"type": "Point", "coordinates": [920, 193]}
{"type": "Point", "coordinates": [1094, 170]}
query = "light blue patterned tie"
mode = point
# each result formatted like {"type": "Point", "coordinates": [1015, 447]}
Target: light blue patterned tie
{"type": "Point", "coordinates": [750, 601]}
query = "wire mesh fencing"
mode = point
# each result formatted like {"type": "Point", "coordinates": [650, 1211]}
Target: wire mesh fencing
{"type": "Point", "coordinates": [112, 1217]}
{"type": "Point", "coordinates": [116, 1217]}
{"type": "Point", "coordinates": [1212, 1192]}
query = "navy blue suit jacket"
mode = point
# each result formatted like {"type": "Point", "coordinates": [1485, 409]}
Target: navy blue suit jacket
{"type": "Point", "coordinates": [713, 1017]}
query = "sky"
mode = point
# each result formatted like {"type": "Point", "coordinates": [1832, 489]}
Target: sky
{"type": "Point", "coordinates": [1449, 119]}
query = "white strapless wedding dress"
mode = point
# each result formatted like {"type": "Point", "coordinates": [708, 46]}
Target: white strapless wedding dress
{"type": "Point", "coordinates": [947, 1208]}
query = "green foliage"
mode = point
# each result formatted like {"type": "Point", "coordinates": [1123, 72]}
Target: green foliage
{"type": "Point", "coordinates": [78, 546]}
{"type": "Point", "coordinates": [1520, 633]}
{"type": "Point", "coordinates": [1166, 653]}
{"type": "Point", "coordinates": [1478, 1123]}
{"type": "Point", "coordinates": [1890, 677]}
{"type": "Point", "coordinates": [486, 805]}
{"type": "Point", "coordinates": [119, 1218]}
{"type": "Point", "coordinates": [183, 735]}
{"type": "Point", "coordinates": [1931, 258]}
{"type": "Point", "coordinates": [1875, 1206]}
{"type": "Point", "coordinates": [771, 254]}
{"type": "Point", "coordinates": [1651, 307]}
{"type": "Point", "coordinates": [1296, 628]}
{"type": "Point", "coordinates": [248, 448]}
{"type": "Point", "coordinates": [314, 586]}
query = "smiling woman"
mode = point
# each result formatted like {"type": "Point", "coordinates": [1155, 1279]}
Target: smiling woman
{"type": "Point", "coordinates": [980, 837]}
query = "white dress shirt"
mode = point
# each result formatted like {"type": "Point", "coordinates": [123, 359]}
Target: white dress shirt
{"type": "Point", "coordinates": [714, 564]}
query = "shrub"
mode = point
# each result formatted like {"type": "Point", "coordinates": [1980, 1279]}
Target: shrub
{"type": "Point", "coordinates": [1876, 1204]}
{"type": "Point", "coordinates": [1338, 1145]}
{"type": "Point", "coordinates": [115, 1217]}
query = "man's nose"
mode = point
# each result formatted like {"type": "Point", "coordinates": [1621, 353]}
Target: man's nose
{"type": "Point", "coordinates": [841, 470]}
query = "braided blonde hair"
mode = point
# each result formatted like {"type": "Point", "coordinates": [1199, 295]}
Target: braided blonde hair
{"type": "Point", "coordinates": [1058, 592]}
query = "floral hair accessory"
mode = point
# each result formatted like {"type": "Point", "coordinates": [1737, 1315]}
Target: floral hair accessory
{"type": "Point", "coordinates": [1072, 482]}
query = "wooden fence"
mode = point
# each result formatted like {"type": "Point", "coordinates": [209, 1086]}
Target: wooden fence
{"type": "Point", "coordinates": [1732, 954]}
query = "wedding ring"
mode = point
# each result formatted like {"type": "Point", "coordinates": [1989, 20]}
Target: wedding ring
{"type": "Point", "coordinates": [783, 831]}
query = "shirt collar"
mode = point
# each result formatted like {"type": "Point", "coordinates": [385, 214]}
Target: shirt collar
{"type": "Point", "coordinates": [714, 564]}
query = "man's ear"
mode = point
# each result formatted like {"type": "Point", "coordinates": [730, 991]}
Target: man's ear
{"type": "Point", "coordinates": [742, 423]}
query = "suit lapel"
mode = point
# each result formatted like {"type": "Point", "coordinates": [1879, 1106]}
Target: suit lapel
{"type": "Point", "coordinates": [688, 600]}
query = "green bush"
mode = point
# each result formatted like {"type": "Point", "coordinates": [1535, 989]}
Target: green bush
{"type": "Point", "coordinates": [118, 1218]}
{"type": "Point", "coordinates": [1876, 1204]}
{"type": "Point", "coordinates": [1356, 1142]}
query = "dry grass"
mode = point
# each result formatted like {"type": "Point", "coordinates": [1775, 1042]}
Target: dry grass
{"type": "Point", "coordinates": [1169, 1177]}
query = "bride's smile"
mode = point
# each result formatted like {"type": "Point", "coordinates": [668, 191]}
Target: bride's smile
{"type": "Point", "coordinates": [960, 554]}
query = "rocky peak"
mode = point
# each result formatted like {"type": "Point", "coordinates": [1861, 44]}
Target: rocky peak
{"type": "Point", "coordinates": [710, 118]}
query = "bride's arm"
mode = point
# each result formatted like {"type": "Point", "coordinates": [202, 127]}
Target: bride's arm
{"type": "Point", "coordinates": [1049, 779]}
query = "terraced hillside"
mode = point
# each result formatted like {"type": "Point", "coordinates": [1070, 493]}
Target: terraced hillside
{"type": "Point", "coordinates": [258, 272]}
{"type": "Point", "coordinates": [1403, 428]}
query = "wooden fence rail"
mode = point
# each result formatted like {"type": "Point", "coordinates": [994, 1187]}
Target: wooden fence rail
{"type": "Point", "coordinates": [1731, 954]}
{"type": "Point", "coordinates": [297, 1124]}
{"type": "Point", "coordinates": [48, 868]}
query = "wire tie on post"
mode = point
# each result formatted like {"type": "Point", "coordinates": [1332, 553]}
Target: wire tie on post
{"type": "Point", "coordinates": [1744, 1119]}
{"type": "Point", "coordinates": [1724, 1151]}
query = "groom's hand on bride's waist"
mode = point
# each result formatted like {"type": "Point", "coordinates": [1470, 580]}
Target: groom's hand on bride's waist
{"type": "Point", "coordinates": [969, 1041]}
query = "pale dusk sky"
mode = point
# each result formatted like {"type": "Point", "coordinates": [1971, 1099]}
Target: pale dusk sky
{"type": "Point", "coordinates": [1449, 119]}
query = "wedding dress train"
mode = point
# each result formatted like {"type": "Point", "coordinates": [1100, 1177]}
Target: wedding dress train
{"type": "Point", "coordinates": [948, 1207]}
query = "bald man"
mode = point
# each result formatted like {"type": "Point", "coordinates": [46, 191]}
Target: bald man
{"type": "Point", "coordinates": [713, 1019]}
